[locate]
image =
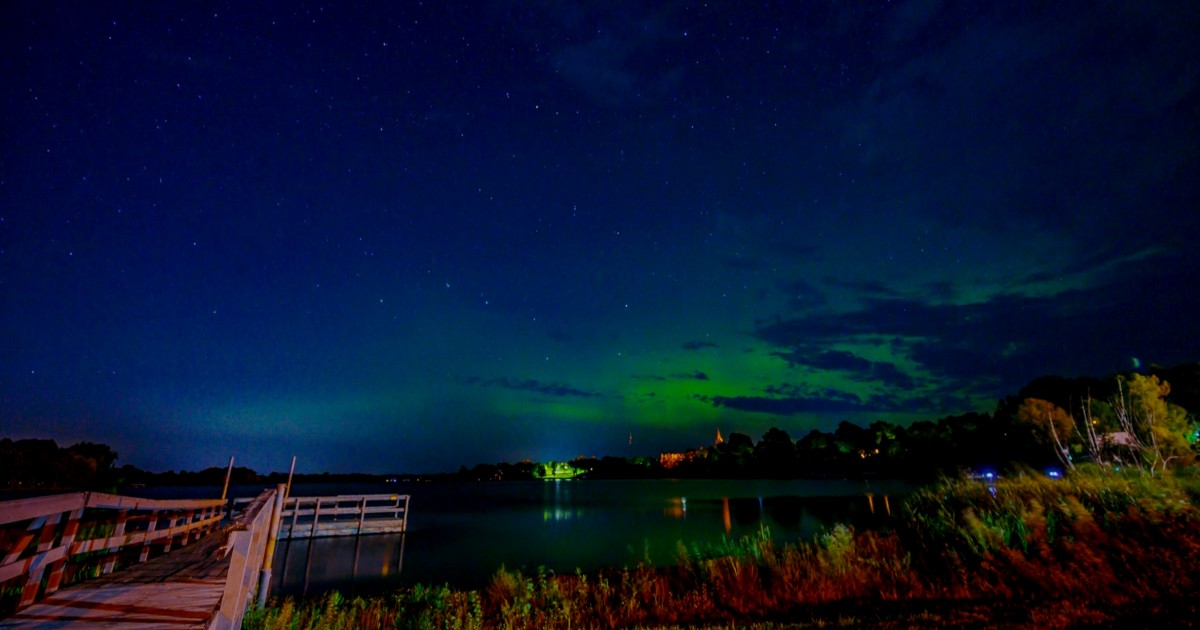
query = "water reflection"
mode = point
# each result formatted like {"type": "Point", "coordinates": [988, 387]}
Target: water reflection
{"type": "Point", "coordinates": [886, 506]}
{"type": "Point", "coordinates": [462, 533]}
{"type": "Point", "coordinates": [557, 501]}
{"type": "Point", "coordinates": [782, 515]}
{"type": "Point", "coordinates": [358, 563]}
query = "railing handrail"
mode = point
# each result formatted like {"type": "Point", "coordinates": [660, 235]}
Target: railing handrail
{"type": "Point", "coordinates": [331, 497]}
{"type": "Point", "coordinates": [47, 533]}
{"type": "Point", "coordinates": [321, 512]}
{"type": "Point", "coordinates": [36, 507]}
{"type": "Point", "coordinates": [349, 509]}
{"type": "Point", "coordinates": [245, 544]}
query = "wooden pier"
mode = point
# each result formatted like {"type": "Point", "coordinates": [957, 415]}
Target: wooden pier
{"type": "Point", "coordinates": [161, 564]}
{"type": "Point", "coordinates": [202, 577]}
{"type": "Point", "coordinates": [342, 515]}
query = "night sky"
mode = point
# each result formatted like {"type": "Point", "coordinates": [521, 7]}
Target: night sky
{"type": "Point", "coordinates": [421, 235]}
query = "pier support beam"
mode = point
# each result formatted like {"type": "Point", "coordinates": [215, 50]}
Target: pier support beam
{"type": "Point", "coordinates": [264, 584]}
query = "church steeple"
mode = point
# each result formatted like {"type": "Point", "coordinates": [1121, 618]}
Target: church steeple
{"type": "Point", "coordinates": [720, 440]}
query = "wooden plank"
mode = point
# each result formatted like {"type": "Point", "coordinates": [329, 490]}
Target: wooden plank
{"type": "Point", "coordinates": [344, 515]}
{"type": "Point", "coordinates": [136, 538]}
{"type": "Point", "coordinates": [245, 548]}
{"type": "Point", "coordinates": [177, 590]}
{"type": "Point", "coordinates": [161, 605]}
{"type": "Point", "coordinates": [118, 533]}
{"type": "Point", "coordinates": [22, 509]}
{"type": "Point", "coordinates": [345, 528]}
{"type": "Point", "coordinates": [119, 502]}
{"type": "Point", "coordinates": [181, 589]}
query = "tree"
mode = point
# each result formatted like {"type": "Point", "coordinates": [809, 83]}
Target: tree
{"type": "Point", "coordinates": [740, 441]}
{"type": "Point", "coordinates": [1157, 429]}
{"type": "Point", "coordinates": [853, 439]}
{"type": "Point", "coordinates": [1051, 423]}
{"type": "Point", "coordinates": [776, 453]}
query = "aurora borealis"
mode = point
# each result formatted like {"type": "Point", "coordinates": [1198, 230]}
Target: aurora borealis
{"type": "Point", "coordinates": [413, 236]}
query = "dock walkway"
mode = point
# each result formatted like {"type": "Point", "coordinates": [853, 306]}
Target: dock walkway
{"type": "Point", "coordinates": [181, 589]}
{"type": "Point", "coordinates": [204, 579]}
{"type": "Point", "coordinates": [206, 576]}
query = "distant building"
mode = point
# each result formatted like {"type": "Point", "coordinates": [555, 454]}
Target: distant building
{"type": "Point", "coordinates": [1120, 438]}
{"type": "Point", "coordinates": [720, 440]}
{"type": "Point", "coordinates": [671, 460]}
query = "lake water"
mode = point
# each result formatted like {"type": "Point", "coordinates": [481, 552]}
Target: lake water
{"type": "Point", "coordinates": [461, 533]}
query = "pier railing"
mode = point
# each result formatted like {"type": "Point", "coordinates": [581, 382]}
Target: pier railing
{"type": "Point", "coordinates": [341, 515]}
{"type": "Point", "coordinates": [39, 537]}
{"type": "Point", "coordinates": [247, 543]}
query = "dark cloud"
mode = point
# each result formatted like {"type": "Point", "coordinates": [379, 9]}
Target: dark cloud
{"type": "Point", "coordinates": [839, 360]}
{"type": "Point", "coordinates": [678, 376]}
{"type": "Point", "coordinates": [993, 346]}
{"type": "Point", "coordinates": [871, 288]}
{"type": "Point", "coordinates": [858, 368]}
{"type": "Point", "coordinates": [889, 374]}
{"type": "Point", "coordinates": [783, 406]}
{"type": "Point", "coordinates": [905, 404]}
{"type": "Point", "coordinates": [966, 88]}
{"type": "Point", "coordinates": [531, 385]}
{"type": "Point", "coordinates": [786, 400]}
{"type": "Point", "coordinates": [789, 390]}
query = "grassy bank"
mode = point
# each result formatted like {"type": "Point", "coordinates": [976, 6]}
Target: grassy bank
{"type": "Point", "coordinates": [1089, 549]}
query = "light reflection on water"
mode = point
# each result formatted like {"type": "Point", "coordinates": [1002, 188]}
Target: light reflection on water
{"type": "Point", "coordinates": [559, 506]}
{"type": "Point", "coordinates": [462, 533]}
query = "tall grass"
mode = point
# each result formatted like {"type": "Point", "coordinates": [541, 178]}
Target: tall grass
{"type": "Point", "coordinates": [1085, 544]}
{"type": "Point", "coordinates": [1098, 535]}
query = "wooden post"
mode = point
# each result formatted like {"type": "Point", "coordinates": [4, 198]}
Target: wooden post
{"type": "Point", "coordinates": [288, 491]}
{"type": "Point", "coordinates": [151, 526]}
{"type": "Point", "coordinates": [169, 538]}
{"type": "Point", "coordinates": [228, 474]}
{"type": "Point", "coordinates": [186, 537]}
{"type": "Point", "coordinates": [357, 545]}
{"type": "Point", "coordinates": [110, 562]}
{"type": "Point", "coordinates": [68, 537]}
{"type": "Point", "coordinates": [47, 536]}
{"type": "Point", "coordinates": [246, 544]}
{"type": "Point", "coordinates": [295, 517]}
{"type": "Point", "coordinates": [316, 515]}
{"type": "Point", "coordinates": [33, 579]}
{"type": "Point", "coordinates": [400, 560]}
{"type": "Point", "coordinates": [264, 583]}
{"type": "Point", "coordinates": [30, 533]}
{"type": "Point", "coordinates": [362, 515]}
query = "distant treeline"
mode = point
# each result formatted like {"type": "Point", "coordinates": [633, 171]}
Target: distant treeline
{"type": "Point", "coordinates": [39, 465]}
{"type": "Point", "coordinates": [1146, 420]}
{"type": "Point", "coordinates": [1052, 422]}
{"type": "Point", "coordinates": [42, 464]}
